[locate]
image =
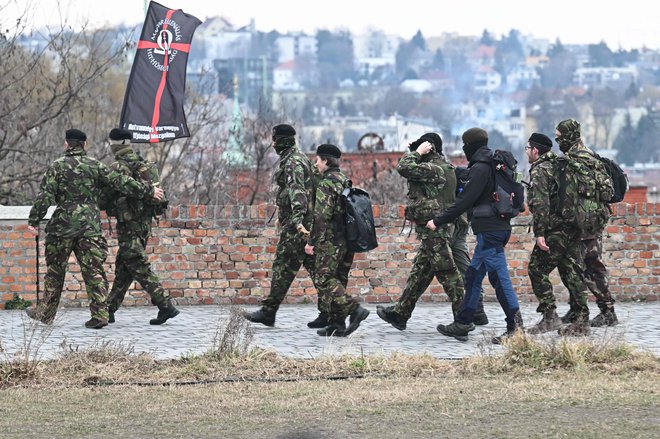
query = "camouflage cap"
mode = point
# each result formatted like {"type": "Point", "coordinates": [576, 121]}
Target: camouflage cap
{"type": "Point", "coordinates": [569, 129]}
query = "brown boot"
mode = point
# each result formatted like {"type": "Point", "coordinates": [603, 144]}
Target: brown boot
{"type": "Point", "coordinates": [549, 322]}
{"type": "Point", "coordinates": [575, 329]}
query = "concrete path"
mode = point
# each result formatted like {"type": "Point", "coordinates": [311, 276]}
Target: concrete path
{"type": "Point", "coordinates": [194, 329]}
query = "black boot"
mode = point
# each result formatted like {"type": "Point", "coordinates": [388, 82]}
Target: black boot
{"type": "Point", "coordinates": [321, 321]}
{"type": "Point", "coordinates": [95, 323]}
{"type": "Point", "coordinates": [355, 319]}
{"type": "Point", "coordinates": [510, 330]}
{"type": "Point", "coordinates": [333, 329]}
{"type": "Point", "coordinates": [480, 317]}
{"type": "Point", "coordinates": [165, 312]}
{"type": "Point", "coordinates": [390, 316]}
{"type": "Point", "coordinates": [262, 315]}
{"type": "Point", "coordinates": [457, 330]}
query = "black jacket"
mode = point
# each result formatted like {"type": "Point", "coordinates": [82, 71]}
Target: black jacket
{"type": "Point", "coordinates": [478, 190]}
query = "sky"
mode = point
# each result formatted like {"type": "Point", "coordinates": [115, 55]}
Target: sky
{"type": "Point", "coordinates": [628, 24]}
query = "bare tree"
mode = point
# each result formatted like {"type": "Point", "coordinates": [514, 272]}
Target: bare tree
{"type": "Point", "coordinates": [50, 81]}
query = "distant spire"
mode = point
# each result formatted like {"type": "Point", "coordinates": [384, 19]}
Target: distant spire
{"type": "Point", "coordinates": [234, 154]}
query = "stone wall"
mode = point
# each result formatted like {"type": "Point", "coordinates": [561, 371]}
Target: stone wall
{"type": "Point", "coordinates": [223, 254]}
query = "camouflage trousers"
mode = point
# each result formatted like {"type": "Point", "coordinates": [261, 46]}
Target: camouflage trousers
{"type": "Point", "coordinates": [132, 264]}
{"type": "Point", "coordinates": [595, 272]}
{"type": "Point", "coordinates": [333, 263]}
{"type": "Point", "coordinates": [289, 257]}
{"type": "Point", "coordinates": [459, 249]}
{"type": "Point", "coordinates": [432, 260]}
{"type": "Point", "coordinates": [566, 256]}
{"type": "Point", "coordinates": [91, 254]}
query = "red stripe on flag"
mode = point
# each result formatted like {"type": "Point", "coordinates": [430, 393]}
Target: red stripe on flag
{"type": "Point", "coordinates": [151, 45]}
{"type": "Point", "coordinates": [161, 87]}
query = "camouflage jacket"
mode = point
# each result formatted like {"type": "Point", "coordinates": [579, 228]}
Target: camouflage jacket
{"type": "Point", "coordinates": [328, 224]}
{"type": "Point", "coordinates": [295, 195]}
{"type": "Point", "coordinates": [126, 206]}
{"type": "Point", "coordinates": [542, 194]}
{"type": "Point", "coordinates": [431, 186]}
{"type": "Point", "coordinates": [73, 183]}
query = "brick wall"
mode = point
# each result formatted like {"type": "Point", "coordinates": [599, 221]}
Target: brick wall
{"type": "Point", "coordinates": [223, 254]}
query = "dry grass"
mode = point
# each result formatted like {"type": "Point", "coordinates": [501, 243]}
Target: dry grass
{"type": "Point", "coordinates": [536, 388]}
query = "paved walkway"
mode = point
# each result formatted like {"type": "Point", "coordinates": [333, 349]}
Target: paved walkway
{"type": "Point", "coordinates": [194, 329]}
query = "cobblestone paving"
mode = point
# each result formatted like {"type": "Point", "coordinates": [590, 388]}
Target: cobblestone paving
{"type": "Point", "coordinates": [194, 329]}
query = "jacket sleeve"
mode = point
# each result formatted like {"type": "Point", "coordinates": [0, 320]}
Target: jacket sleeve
{"type": "Point", "coordinates": [45, 198]}
{"type": "Point", "coordinates": [123, 183]}
{"type": "Point", "coordinates": [412, 168]}
{"type": "Point", "coordinates": [478, 180]}
{"type": "Point", "coordinates": [323, 210]}
{"type": "Point", "coordinates": [539, 202]}
{"type": "Point", "coordinates": [295, 185]}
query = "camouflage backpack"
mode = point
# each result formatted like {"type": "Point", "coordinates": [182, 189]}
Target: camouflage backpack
{"type": "Point", "coordinates": [124, 208]}
{"type": "Point", "coordinates": [579, 200]}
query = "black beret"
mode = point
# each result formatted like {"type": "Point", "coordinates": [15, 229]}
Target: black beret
{"type": "Point", "coordinates": [434, 138]}
{"type": "Point", "coordinates": [328, 150]}
{"type": "Point", "coordinates": [284, 130]}
{"type": "Point", "coordinates": [120, 134]}
{"type": "Point", "coordinates": [74, 134]}
{"type": "Point", "coordinates": [541, 142]}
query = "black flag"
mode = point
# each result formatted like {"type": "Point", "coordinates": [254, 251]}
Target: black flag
{"type": "Point", "coordinates": [153, 104]}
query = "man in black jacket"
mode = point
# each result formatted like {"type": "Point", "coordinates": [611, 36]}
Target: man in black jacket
{"type": "Point", "coordinates": [492, 232]}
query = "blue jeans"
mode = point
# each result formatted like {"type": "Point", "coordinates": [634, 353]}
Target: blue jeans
{"type": "Point", "coordinates": [489, 258]}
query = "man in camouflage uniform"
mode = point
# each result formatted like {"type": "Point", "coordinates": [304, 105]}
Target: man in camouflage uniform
{"type": "Point", "coordinates": [555, 239]}
{"type": "Point", "coordinates": [570, 142]}
{"type": "Point", "coordinates": [295, 204]}
{"type": "Point", "coordinates": [73, 183]}
{"type": "Point", "coordinates": [327, 242]}
{"type": "Point", "coordinates": [431, 189]}
{"type": "Point", "coordinates": [134, 217]}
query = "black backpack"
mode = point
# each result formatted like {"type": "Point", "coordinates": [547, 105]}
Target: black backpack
{"type": "Point", "coordinates": [359, 220]}
{"type": "Point", "coordinates": [508, 198]}
{"type": "Point", "coordinates": [618, 177]}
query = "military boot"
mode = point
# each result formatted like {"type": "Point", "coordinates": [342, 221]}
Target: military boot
{"type": "Point", "coordinates": [392, 317]}
{"type": "Point", "coordinates": [111, 312]}
{"type": "Point", "coordinates": [569, 317]}
{"type": "Point", "coordinates": [360, 313]}
{"type": "Point", "coordinates": [517, 327]}
{"type": "Point", "coordinates": [321, 321]}
{"type": "Point", "coordinates": [549, 322]}
{"type": "Point", "coordinates": [95, 323]}
{"type": "Point", "coordinates": [575, 329]}
{"type": "Point", "coordinates": [457, 330]}
{"type": "Point", "coordinates": [165, 312]}
{"type": "Point", "coordinates": [37, 315]}
{"type": "Point", "coordinates": [480, 317]}
{"type": "Point", "coordinates": [605, 318]}
{"type": "Point", "coordinates": [336, 329]}
{"type": "Point", "coordinates": [262, 315]}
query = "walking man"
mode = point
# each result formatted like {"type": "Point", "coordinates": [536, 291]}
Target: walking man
{"type": "Point", "coordinates": [295, 206]}
{"type": "Point", "coordinates": [431, 189]}
{"type": "Point", "coordinates": [327, 242]}
{"type": "Point", "coordinates": [555, 245]}
{"type": "Point", "coordinates": [493, 233]}
{"type": "Point", "coordinates": [570, 143]}
{"type": "Point", "coordinates": [134, 217]}
{"type": "Point", "coordinates": [73, 183]}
